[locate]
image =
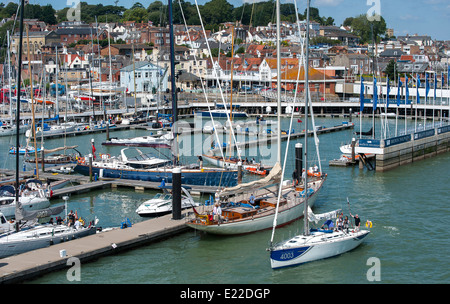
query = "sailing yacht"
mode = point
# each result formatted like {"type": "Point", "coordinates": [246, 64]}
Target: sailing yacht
{"type": "Point", "coordinates": [162, 141]}
{"type": "Point", "coordinates": [30, 200]}
{"type": "Point", "coordinates": [318, 244]}
{"type": "Point", "coordinates": [312, 244]}
{"type": "Point", "coordinates": [257, 205]}
{"type": "Point", "coordinates": [36, 236]}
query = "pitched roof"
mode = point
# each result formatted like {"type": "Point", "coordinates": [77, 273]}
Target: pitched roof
{"type": "Point", "coordinates": [137, 65]}
{"type": "Point", "coordinates": [314, 74]}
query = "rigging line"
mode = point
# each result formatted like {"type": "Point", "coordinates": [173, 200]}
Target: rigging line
{"type": "Point", "coordinates": [220, 86]}
{"type": "Point", "coordinates": [286, 152]}
{"type": "Point", "coordinates": [316, 139]}
{"type": "Point", "coordinates": [203, 85]}
{"type": "Point", "coordinates": [251, 15]}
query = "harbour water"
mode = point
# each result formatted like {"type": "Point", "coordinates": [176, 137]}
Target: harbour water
{"type": "Point", "coordinates": [407, 206]}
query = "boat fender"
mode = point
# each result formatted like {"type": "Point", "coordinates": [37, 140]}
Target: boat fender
{"type": "Point", "coordinates": [369, 224]}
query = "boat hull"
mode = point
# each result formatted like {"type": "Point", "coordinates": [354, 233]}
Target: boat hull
{"type": "Point", "coordinates": [28, 204]}
{"type": "Point", "coordinates": [188, 177]}
{"type": "Point", "coordinates": [257, 223]}
{"type": "Point", "coordinates": [222, 114]}
{"type": "Point", "coordinates": [13, 247]}
{"type": "Point", "coordinates": [285, 256]}
{"type": "Point", "coordinates": [218, 162]}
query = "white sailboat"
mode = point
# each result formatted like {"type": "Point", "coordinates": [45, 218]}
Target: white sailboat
{"type": "Point", "coordinates": [30, 200]}
{"type": "Point", "coordinates": [162, 141]}
{"type": "Point", "coordinates": [255, 206]}
{"type": "Point", "coordinates": [312, 244]}
{"type": "Point", "coordinates": [317, 244]}
{"type": "Point", "coordinates": [33, 237]}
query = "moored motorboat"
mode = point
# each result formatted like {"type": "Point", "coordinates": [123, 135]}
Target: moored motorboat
{"type": "Point", "coordinates": [161, 204]}
{"type": "Point", "coordinates": [149, 168]}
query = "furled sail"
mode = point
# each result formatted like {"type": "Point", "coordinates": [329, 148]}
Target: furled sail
{"type": "Point", "coordinates": [322, 216]}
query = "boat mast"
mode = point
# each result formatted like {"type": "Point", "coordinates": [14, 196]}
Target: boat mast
{"type": "Point", "coordinates": [22, 6]}
{"type": "Point", "coordinates": [172, 78]}
{"type": "Point", "coordinates": [231, 95]}
{"type": "Point", "coordinates": [305, 213]}
{"type": "Point", "coordinates": [33, 124]}
{"type": "Point", "coordinates": [279, 119]}
{"type": "Point", "coordinates": [56, 85]}
{"type": "Point", "coordinates": [278, 82]}
{"type": "Point", "coordinates": [9, 78]}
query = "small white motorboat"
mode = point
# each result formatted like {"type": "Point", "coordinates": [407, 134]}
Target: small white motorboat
{"type": "Point", "coordinates": [162, 204]}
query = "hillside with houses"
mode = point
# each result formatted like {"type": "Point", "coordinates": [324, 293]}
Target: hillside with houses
{"type": "Point", "coordinates": [243, 51]}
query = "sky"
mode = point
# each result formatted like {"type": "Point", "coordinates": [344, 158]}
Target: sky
{"type": "Point", "coordinates": [422, 17]}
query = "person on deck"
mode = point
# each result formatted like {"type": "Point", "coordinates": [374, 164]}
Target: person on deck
{"type": "Point", "coordinates": [345, 224]}
{"type": "Point", "coordinates": [340, 222]}
{"type": "Point", "coordinates": [252, 199]}
{"type": "Point", "coordinates": [357, 221]}
{"type": "Point", "coordinates": [294, 178]}
{"type": "Point", "coordinates": [200, 160]}
{"type": "Point", "coordinates": [217, 212]}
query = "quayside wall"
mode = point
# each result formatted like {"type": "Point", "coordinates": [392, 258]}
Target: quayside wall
{"type": "Point", "coordinates": [405, 149]}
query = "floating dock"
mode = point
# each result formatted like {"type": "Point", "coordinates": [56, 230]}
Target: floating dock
{"type": "Point", "coordinates": [85, 185]}
{"type": "Point", "coordinates": [401, 150]}
{"type": "Point", "coordinates": [35, 263]}
{"type": "Point", "coordinates": [266, 139]}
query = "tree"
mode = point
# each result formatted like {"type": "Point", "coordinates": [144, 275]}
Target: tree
{"type": "Point", "coordinates": [138, 14]}
{"type": "Point", "coordinates": [348, 21]}
{"type": "Point", "coordinates": [391, 70]}
{"type": "Point", "coordinates": [217, 11]}
{"type": "Point", "coordinates": [362, 27]}
{"type": "Point", "coordinates": [48, 15]}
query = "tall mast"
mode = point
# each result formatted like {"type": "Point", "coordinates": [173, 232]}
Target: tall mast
{"type": "Point", "coordinates": [305, 162]}
{"type": "Point", "coordinates": [9, 78]}
{"type": "Point", "coordinates": [19, 80]}
{"type": "Point", "coordinates": [56, 84]}
{"type": "Point", "coordinates": [33, 124]}
{"type": "Point", "coordinates": [278, 82]}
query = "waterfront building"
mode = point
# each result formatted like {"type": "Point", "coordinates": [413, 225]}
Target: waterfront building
{"type": "Point", "coordinates": [148, 76]}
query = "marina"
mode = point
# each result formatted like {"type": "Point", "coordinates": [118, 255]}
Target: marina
{"type": "Point", "coordinates": [262, 188]}
{"type": "Point", "coordinates": [189, 248]}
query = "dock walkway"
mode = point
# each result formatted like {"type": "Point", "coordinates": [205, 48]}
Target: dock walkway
{"type": "Point", "coordinates": [38, 262]}
{"type": "Point", "coordinates": [266, 139]}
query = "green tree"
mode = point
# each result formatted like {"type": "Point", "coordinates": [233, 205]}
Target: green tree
{"type": "Point", "coordinates": [138, 14]}
{"type": "Point", "coordinates": [363, 28]}
{"type": "Point", "coordinates": [217, 11]}
{"type": "Point", "coordinates": [48, 15]}
{"type": "Point", "coordinates": [348, 21]}
{"type": "Point", "coordinates": [9, 10]}
{"type": "Point", "coordinates": [391, 70]}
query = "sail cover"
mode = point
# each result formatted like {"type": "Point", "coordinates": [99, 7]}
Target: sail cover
{"type": "Point", "coordinates": [59, 149]}
{"type": "Point", "coordinates": [25, 215]}
{"type": "Point", "coordinates": [272, 178]}
{"type": "Point", "coordinates": [322, 216]}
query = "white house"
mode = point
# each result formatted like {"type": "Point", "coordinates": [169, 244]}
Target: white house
{"type": "Point", "coordinates": [149, 77]}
